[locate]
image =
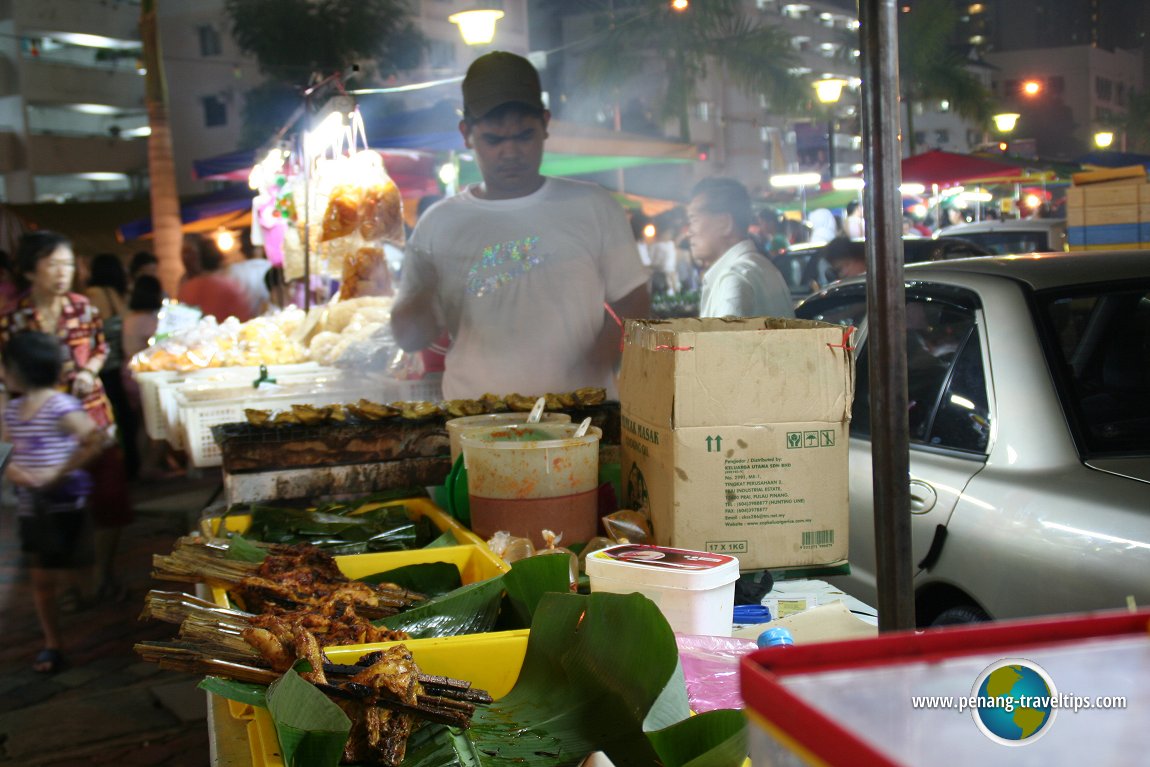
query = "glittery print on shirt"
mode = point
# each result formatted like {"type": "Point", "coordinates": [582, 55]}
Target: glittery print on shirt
{"type": "Point", "coordinates": [502, 264]}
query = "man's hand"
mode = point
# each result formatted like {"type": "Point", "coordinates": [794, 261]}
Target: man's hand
{"type": "Point", "coordinates": [413, 321]}
{"type": "Point", "coordinates": [634, 305]}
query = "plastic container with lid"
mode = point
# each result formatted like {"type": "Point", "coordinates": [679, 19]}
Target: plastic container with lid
{"type": "Point", "coordinates": [695, 590]}
{"type": "Point", "coordinates": [456, 426]}
{"type": "Point", "coordinates": [533, 477]}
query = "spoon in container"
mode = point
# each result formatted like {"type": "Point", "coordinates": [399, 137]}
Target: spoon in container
{"type": "Point", "coordinates": [583, 427]}
{"type": "Point", "coordinates": [537, 411]}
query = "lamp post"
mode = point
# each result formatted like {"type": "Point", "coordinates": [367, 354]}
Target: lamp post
{"type": "Point", "coordinates": [829, 91]}
{"type": "Point", "coordinates": [477, 26]}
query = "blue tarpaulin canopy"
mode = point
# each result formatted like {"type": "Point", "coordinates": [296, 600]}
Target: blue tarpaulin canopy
{"type": "Point", "coordinates": [227, 206]}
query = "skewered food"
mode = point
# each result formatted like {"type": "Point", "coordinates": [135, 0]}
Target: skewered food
{"type": "Point", "coordinates": [257, 417]}
{"type": "Point", "coordinates": [493, 403]}
{"type": "Point", "coordinates": [559, 401]}
{"type": "Point", "coordinates": [310, 415]}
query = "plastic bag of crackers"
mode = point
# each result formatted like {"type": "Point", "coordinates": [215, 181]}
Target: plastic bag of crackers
{"type": "Point", "coordinates": [360, 209]}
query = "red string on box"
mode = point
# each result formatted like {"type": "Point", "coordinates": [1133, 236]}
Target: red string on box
{"type": "Point", "coordinates": [846, 340]}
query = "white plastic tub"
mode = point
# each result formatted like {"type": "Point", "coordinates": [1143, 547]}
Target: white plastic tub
{"type": "Point", "coordinates": [695, 590]}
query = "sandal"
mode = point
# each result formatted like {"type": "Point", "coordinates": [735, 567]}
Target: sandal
{"type": "Point", "coordinates": [49, 661]}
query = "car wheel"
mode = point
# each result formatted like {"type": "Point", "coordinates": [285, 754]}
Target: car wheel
{"type": "Point", "coordinates": [954, 616]}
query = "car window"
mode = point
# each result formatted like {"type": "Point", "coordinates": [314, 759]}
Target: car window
{"type": "Point", "coordinates": [947, 403]}
{"type": "Point", "coordinates": [1009, 242]}
{"type": "Point", "coordinates": [1099, 344]}
{"type": "Point", "coordinates": [843, 307]}
{"type": "Point", "coordinates": [963, 418]}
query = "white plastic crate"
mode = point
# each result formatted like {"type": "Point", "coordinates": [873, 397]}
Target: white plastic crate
{"type": "Point", "coordinates": [198, 417]}
{"type": "Point", "coordinates": [154, 423]}
{"type": "Point", "coordinates": [426, 389]}
{"type": "Point", "coordinates": [219, 378]}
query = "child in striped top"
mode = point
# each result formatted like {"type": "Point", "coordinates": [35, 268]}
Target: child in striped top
{"type": "Point", "coordinates": [52, 439]}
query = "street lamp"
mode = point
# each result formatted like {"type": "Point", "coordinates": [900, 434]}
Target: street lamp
{"type": "Point", "coordinates": [1004, 122]}
{"type": "Point", "coordinates": [477, 26]}
{"type": "Point", "coordinates": [1103, 139]}
{"type": "Point", "coordinates": [829, 91]}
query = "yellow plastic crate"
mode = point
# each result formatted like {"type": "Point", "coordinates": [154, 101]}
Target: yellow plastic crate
{"type": "Point", "coordinates": [474, 559]}
{"type": "Point", "coordinates": [489, 661]}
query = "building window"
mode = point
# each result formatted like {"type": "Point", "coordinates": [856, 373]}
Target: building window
{"type": "Point", "coordinates": [440, 54]}
{"type": "Point", "coordinates": [215, 112]}
{"type": "Point", "coordinates": [209, 41]}
{"type": "Point", "coordinates": [1103, 88]}
{"type": "Point", "coordinates": [1120, 94]}
{"type": "Point", "coordinates": [1056, 84]}
{"type": "Point", "coordinates": [942, 136]}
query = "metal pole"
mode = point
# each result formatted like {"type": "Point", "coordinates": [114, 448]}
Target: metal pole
{"type": "Point", "coordinates": [831, 145]}
{"type": "Point", "coordinates": [886, 314]}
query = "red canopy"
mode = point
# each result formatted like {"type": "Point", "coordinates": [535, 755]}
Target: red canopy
{"type": "Point", "coordinates": [949, 169]}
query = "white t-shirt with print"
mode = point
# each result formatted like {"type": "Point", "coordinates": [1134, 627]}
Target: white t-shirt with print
{"type": "Point", "coordinates": [743, 283]}
{"type": "Point", "coordinates": [520, 285]}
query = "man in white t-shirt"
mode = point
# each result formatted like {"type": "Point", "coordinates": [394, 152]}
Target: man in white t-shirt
{"type": "Point", "coordinates": [739, 281]}
{"type": "Point", "coordinates": [521, 269]}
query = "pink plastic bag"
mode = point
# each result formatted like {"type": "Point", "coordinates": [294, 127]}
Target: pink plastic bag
{"type": "Point", "coordinates": [711, 669]}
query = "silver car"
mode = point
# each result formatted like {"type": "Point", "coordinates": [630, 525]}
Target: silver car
{"type": "Point", "coordinates": [1024, 235]}
{"type": "Point", "coordinates": [1029, 413]}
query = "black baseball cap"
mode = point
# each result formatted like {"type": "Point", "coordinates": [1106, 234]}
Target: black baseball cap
{"type": "Point", "coordinates": [499, 78]}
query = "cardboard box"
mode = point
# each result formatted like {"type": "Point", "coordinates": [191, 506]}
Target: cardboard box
{"type": "Point", "coordinates": [735, 436]}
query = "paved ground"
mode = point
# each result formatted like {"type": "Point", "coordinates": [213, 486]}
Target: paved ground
{"type": "Point", "coordinates": [108, 708]}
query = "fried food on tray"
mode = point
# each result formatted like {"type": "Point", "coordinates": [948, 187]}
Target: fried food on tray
{"type": "Point", "coordinates": [519, 404]}
{"type": "Point", "coordinates": [590, 395]}
{"type": "Point", "coordinates": [342, 215]}
{"type": "Point", "coordinates": [457, 408]}
{"type": "Point", "coordinates": [367, 410]}
{"type": "Point", "coordinates": [415, 411]}
{"type": "Point", "coordinates": [338, 414]}
{"type": "Point", "coordinates": [286, 418]}
{"type": "Point", "coordinates": [257, 417]}
{"type": "Point", "coordinates": [493, 403]}
{"type": "Point", "coordinates": [559, 401]}
{"type": "Point", "coordinates": [381, 213]}
{"type": "Point", "coordinates": [310, 415]}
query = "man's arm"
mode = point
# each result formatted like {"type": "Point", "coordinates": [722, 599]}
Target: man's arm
{"type": "Point", "coordinates": [413, 320]}
{"type": "Point", "coordinates": [634, 305]}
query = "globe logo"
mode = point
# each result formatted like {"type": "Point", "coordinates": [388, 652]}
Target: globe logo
{"type": "Point", "coordinates": [1014, 698]}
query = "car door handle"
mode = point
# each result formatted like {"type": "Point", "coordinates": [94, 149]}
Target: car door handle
{"type": "Point", "coordinates": [923, 497]}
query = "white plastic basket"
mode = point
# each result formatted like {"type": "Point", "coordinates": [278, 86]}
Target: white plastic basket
{"type": "Point", "coordinates": [236, 378]}
{"type": "Point", "coordinates": [199, 416]}
{"type": "Point", "coordinates": [154, 423]}
{"type": "Point", "coordinates": [426, 389]}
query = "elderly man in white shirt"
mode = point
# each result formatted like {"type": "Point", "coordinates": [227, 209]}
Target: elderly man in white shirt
{"type": "Point", "coordinates": [739, 280]}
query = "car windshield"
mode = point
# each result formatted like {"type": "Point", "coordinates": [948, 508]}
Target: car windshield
{"type": "Point", "coordinates": [1099, 341]}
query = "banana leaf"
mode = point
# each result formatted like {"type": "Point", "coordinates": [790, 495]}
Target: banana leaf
{"type": "Point", "coordinates": [241, 549]}
{"type": "Point", "coordinates": [447, 538]}
{"type": "Point", "coordinates": [475, 608]}
{"type": "Point", "coordinates": [600, 670]}
{"type": "Point", "coordinates": [312, 730]}
{"type": "Point", "coordinates": [244, 692]}
{"type": "Point", "coordinates": [714, 739]}
{"type": "Point", "coordinates": [430, 578]}
{"type": "Point", "coordinates": [601, 673]}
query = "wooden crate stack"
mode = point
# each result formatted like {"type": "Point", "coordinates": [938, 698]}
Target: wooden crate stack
{"type": "Point", "coordinates": [1109, 209]}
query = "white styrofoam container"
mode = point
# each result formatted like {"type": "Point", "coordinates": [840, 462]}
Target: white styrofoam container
{"type": "Point", "coordinates": [695, 590]}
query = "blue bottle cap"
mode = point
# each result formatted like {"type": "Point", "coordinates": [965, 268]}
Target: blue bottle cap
{"type": "Point", "coordinates": [776, 637]}
{"type": "Point", "coordinates": [749, 615]}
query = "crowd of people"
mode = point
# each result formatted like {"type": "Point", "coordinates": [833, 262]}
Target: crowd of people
{"type": "Point", "coordinates": [71, 410]}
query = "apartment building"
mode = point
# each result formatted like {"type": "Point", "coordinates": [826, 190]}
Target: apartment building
{"type": "Point", "coordinates": [72, 117]}
{"type": "Point", "coordinates": [73, 124]}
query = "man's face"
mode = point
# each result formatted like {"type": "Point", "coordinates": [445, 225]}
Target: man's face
{"type": "Point", "coordinates": [708, 232]}
{"type": "Point", "coordinates": [509, 152]}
